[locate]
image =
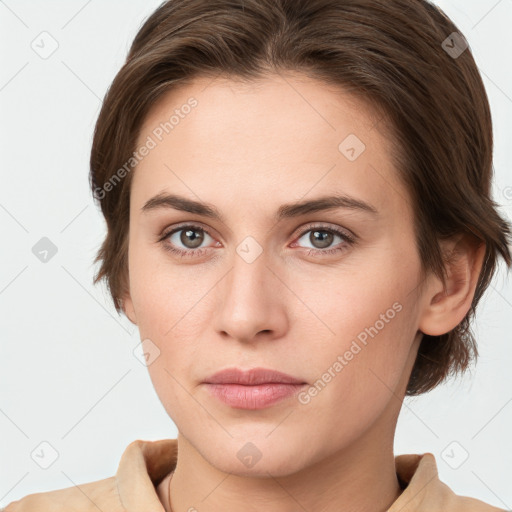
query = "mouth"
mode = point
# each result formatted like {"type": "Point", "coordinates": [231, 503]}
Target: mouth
{"type": "Point", "coordinates": [253, 389]}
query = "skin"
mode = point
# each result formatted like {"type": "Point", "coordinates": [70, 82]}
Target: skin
{"type": "Point", "coordinates": [247, 149]}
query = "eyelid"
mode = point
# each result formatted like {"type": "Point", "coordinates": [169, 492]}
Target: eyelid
{"type": "Point", "coordinates": [321, 226]}
{"type": "Point", "coordinates": [191, 224]}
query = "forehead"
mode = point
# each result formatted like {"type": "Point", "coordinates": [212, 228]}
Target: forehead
{"type": "Point", "coordinates": [242, 106]}
{"type": "Point", "coordinates": [277, 138]}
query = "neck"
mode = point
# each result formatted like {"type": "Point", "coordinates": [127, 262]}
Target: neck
{"type": "Point", "coordinates": [361, 477]}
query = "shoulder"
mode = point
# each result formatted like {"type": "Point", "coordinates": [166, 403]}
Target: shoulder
{"type": "Point", "coordinates": [143, 465]}
{"type": "Point", "coordinates": [93, 496]}
{"type": "Point", "coordinates": [466, 504]}
{"type": "Point", "coordinates": [426, 492]}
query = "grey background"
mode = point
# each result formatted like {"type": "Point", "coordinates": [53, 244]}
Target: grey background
{"type": "Point", "coordinates": [68, 374]}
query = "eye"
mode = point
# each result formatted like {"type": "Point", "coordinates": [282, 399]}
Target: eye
{"type": "Point", "coordinates": [323, 237]}
{"type": "Point", "coordinates": [186, 240]}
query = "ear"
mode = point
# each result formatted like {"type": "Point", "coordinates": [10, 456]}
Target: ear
{"type": "Point", "coordinates": [446, 306]}
{"type": "Point", "coordinates": [127, 306]}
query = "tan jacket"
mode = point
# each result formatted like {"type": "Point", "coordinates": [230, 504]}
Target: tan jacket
{"type": "Point", "coordinates": [144, 464]}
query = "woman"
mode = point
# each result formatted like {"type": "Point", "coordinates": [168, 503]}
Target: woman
{"type": "Point", "coordinates": [297, 195]}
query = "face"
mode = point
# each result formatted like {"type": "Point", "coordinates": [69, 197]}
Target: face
{"type": "Point", "coordinates": [325, 295]}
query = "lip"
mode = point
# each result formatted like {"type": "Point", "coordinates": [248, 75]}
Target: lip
{"type": "Point", "coordinates": [252, 389]}
{"type": "Point", "coordinates": [252, 377]}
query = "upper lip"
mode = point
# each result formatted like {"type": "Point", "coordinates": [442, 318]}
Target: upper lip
{"type": "Point", "coordinates": [250, 377]}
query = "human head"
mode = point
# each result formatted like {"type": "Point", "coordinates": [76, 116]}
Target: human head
{"type": "Point", "coordinates": [388, 54]}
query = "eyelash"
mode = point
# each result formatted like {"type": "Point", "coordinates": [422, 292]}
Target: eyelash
{"type": "Point", "coordinates": [348, 240]}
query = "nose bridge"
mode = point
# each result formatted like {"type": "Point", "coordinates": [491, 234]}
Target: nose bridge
{"type": "Point", "coordinates": [247, 282]}
{"type": "Point", "coordinates": [248, 303]}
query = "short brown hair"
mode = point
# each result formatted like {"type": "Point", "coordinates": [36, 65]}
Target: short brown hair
{"type": "Point", "coordinates": [391, 53]}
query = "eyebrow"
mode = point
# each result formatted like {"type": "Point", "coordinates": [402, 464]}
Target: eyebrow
{"type": "Point", "coordinates": [165, 201]}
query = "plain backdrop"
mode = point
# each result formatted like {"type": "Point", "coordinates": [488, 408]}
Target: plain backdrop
{"type": "Point", "coordinates": [68, 375]}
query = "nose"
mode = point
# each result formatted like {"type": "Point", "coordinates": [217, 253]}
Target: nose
{"type": "Point", "coordinates": [251, 301]}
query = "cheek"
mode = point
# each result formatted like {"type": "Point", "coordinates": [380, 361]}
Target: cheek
{"type": "Point", "coordinates": [361, 299]}
{"type": "Point", "coordinates": [171, 316]}
{"type": "Point", "coordinates": [369, 331]}
{"type": "Point", "coordinates": [170, 302]}
{"type": "Point", "coordinates": [164, 293]}
{"type": "Point", "coordinates": [355, 379]}
{"type": "Point", "coordinates": [371, 316]}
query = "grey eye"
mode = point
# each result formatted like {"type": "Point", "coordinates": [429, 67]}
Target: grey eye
{"type": "Point", "coordinates": [320, 238]}
{"type": "Point", "coordinates": [190, 238]}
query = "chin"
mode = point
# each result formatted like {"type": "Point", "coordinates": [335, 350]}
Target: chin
{"type": "Point", "coordinates": [258, 455]}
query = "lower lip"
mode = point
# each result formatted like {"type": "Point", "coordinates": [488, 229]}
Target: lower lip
{"type": "Point", "coordinates": [253, 397]}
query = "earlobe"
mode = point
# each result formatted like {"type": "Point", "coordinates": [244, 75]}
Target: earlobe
{"type": "Point", "coordinates": [447, 305]}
